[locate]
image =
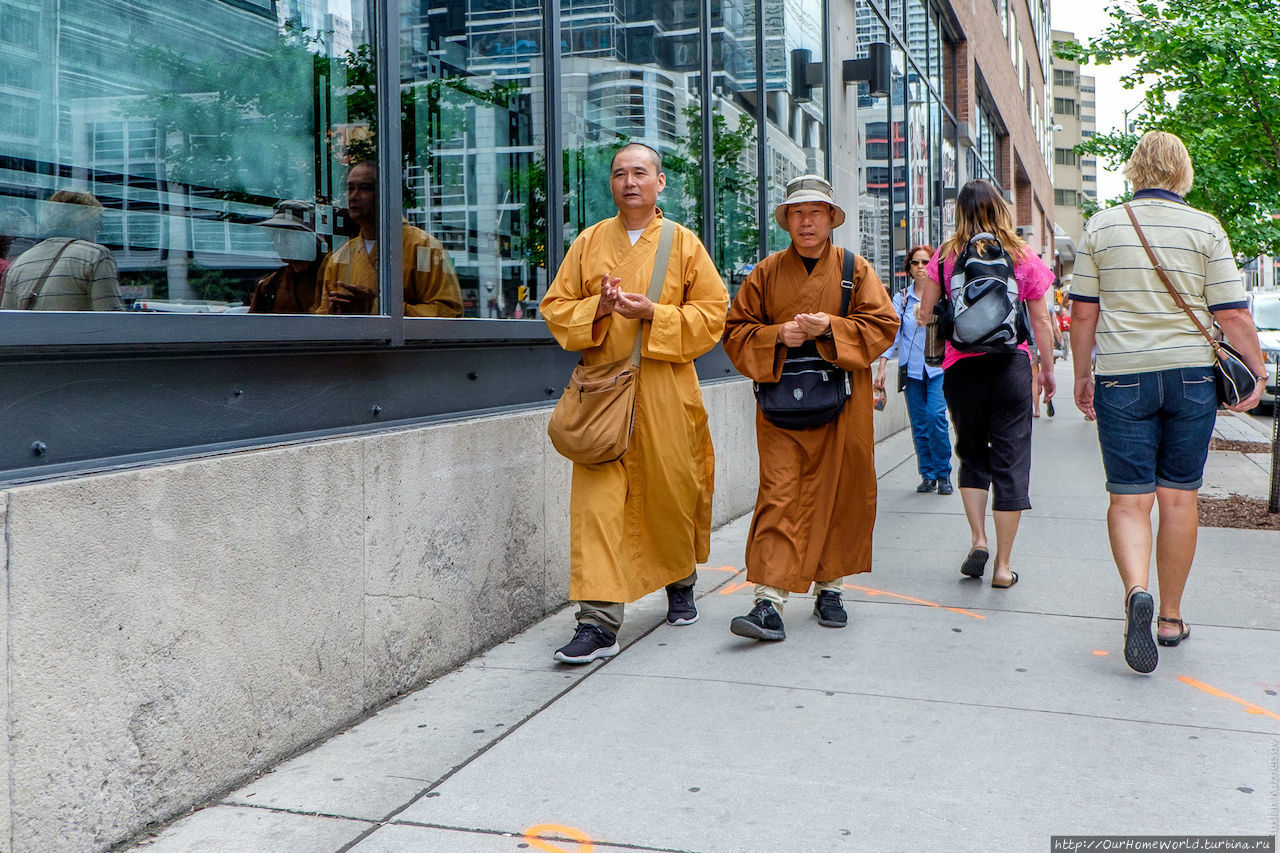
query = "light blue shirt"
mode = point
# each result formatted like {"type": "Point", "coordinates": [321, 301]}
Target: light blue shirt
{"type": "Point", "coordinates": [910, 336]}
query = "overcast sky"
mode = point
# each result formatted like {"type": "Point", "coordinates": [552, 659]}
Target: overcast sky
{"type": "Point", "coordinates": [1087, 19]}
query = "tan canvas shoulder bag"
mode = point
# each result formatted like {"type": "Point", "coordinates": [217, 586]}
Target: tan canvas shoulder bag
{"type": "Point", "coordinates": [592, 422]}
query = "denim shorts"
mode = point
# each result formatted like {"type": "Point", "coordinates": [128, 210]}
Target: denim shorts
{"type": "Point", "coordinates": [1154, 428]}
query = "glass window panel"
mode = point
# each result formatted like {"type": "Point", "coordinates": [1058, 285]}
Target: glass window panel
{"type": "Point", "coordinates": [474, 171]}
{"type": "Point", "coordinates": [795, 127]}
{"type": "Point", "coordinates": [638, 84]}
{"type": "Point", "coordinates": [950, 177]}
{"type": "Point", "coordinates": [173, 131]}
{"type": "Point", "coordinates": [874, 184]}
{"type": "Point", "coordinates": [919, 145]}
{"type": "Point", "coordinates": [735, 134]}
{"type": "Point", "coordinates": [935, 50]}
{"type": "Point", "coordinates": [900, 134]}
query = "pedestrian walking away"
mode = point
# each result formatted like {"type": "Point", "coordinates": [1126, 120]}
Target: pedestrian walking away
{"type": "Point", "coordinates": [811, 310]}
{"type": "Point", "coordinates": [922, 383]}
{"type": "Point", "coordinates": [1153, 392]}
{"type": "Point", "coordinates": [994, 287]}
{"type": "Point", "coordinates": [643, 521]}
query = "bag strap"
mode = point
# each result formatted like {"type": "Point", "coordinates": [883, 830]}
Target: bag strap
{"type": "Point", "coordinates": [30, 298]}
{"type": "Point", "coordinates": [1164, 277]}
{"type": "Point", "coordinates": [660, 264]}
{"type": "Point", "coordinates": [846, 281]}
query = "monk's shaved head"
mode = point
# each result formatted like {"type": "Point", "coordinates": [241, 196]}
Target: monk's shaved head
{"type": "Point", "coordinates": [639, 146]}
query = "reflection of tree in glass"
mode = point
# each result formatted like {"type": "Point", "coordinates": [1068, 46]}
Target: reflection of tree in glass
{"type": "Point", "coordinates": [244, 128]}
{"type": "Point", "coordinates": [734, 186]}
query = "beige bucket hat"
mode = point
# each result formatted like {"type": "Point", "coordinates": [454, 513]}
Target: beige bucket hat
{"type": "Point", "coordinates": [809, 188]}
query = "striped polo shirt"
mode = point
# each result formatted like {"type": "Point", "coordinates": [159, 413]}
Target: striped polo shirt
{"type": "Point", "coordinates": [1140, 328]}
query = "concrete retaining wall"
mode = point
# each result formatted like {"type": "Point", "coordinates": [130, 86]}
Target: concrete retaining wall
{"type": "Point", "coordinates": [172, 629]}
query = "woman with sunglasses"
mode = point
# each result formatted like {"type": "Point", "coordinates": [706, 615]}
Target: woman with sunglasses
{"type": "Point", "coordinates": [922, 383]}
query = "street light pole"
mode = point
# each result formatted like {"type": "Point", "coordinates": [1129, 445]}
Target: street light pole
{"type": "Point", "coordinates": [1128, 129]}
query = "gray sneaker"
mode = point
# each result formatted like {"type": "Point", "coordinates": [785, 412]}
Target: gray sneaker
{"type": "Point", "coordinates": [762, 623]}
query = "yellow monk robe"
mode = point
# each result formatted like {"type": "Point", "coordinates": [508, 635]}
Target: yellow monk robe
{"type": "Point", "coordinates": [644, 521]}
{"type": "Point", "coordinates": [430, 283]}
{"type": "Point", "coordinates": [816, 504]}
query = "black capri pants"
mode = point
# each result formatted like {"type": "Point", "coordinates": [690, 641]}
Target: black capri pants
{"type": "Point", "coordinates": [989, 397]}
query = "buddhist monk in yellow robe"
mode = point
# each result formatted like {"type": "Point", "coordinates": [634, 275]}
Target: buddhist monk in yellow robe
{"type": "Point", "coordinates": [644, 521]}
{"type": "Point", "coordinates": [816, 504]}
{"type": "Point", "coordinates": [349, 279]}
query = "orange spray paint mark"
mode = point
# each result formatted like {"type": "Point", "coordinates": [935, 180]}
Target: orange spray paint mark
{"type": "Point", "coordinates": [733, 570]}
{"type": "Point", "coordinates": [733, 587]}
{"type": "Point", "coordinates": [1249, 707]}
{"type": "Point", "coordinates": [869, 591]}
{"type": "Point", "coordinates": [538, 837]}
{"type": "Point", "coordinates": [1100, 653]}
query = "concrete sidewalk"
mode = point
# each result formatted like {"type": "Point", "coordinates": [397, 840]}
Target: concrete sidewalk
{"type": "Point", "coordinates": [948, 716]}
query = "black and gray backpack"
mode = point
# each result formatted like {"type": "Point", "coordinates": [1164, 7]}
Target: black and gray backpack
{"type": "Point", "coordinates": [987, 314]}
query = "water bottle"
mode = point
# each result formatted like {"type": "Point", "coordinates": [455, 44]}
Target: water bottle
{"type": "Point", "coordinates": [933, 343]}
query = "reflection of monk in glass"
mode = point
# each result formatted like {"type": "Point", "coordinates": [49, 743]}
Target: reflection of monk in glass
{"type": "Point", "coordinates": [350, 274]}
{"type": "Point", "coordinates": [66, 271]}
{"type": "Point", "coordinates": [294, 288]}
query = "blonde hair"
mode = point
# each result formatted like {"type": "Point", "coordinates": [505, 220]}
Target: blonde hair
{"type": "Point", "coordinates": [70, 213]}
{"type": "Point", "coordinates": [979, 208]}
{"type": "Point", "coordinates": [1160, 160]}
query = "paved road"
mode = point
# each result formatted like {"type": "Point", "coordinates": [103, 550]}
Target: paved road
{"type": "Point", "coordinates": [948, 716]}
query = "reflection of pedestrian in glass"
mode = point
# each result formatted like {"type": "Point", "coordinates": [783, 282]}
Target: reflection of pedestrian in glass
{"type": "Point", "coordinates": [294, 288]}
{"type": "Point", "coordinates": [350, 275]}
{"type": "Point", "coordinates": [15, 225]}
{"type": "Point", "coordinates": [925, 403]}
{"type": "Point", "coordinates": [66, 271]}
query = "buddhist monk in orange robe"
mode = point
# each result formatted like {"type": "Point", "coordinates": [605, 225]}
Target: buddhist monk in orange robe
{"type": "Point", "coordinates": [816, 504]}
{"type": "Point", "coordinates": [644, 521]}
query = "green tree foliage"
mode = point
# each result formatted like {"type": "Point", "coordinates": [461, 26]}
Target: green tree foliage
{"type": "Point", "coordinates": [1212, 68]}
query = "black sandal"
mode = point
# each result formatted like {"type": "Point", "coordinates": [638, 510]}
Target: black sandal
{"type": "Point", "coordinates": [975, 563]}
{"type": "Point", "coordinates": [1184, 631]}
{"type": "Point", "coordinates": [1139, 652]}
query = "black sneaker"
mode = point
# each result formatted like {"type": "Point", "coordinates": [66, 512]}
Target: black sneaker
{"type": "Point", "coordinates": [762, 623]}
{"type": "Point", "coordinates": [590, 642]}
{"type": "Point", "coordinates": [928, 484]}
{"type": "Point", "coordinates": [829, 608]}
{"type": "Point", "coordinates": [944, 486]}
{"type": "Point", "coordinates": [680, 606]}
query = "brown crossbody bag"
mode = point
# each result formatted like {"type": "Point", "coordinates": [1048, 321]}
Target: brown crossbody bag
{"type": "Point", "coordinates": [1233, 378]}
{"type": "Point", "coordinates": [592, 422]}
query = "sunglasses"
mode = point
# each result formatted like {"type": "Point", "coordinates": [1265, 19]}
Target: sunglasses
{"type": "Point", "coordinates": [918, 263]}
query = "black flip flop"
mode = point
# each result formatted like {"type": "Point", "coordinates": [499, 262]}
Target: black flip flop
{"type": "Point", "coordinates": [975, 563]}
{"type": "Point", "coordinates": [1139, 649]}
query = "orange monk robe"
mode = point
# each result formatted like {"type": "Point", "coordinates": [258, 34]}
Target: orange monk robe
{"type": "Point", "coordinates": [816, 505]}
{"type": "Point", "coordinates": [644, 521]}
{"type": "Point", "coordinates": [430, 283]}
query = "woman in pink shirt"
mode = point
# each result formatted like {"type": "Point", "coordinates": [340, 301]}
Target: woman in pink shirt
{"type": "Point", "coordinates": [989, 393]}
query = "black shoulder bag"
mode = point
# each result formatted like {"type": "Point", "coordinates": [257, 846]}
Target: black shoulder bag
{"type": "Point", "coordinates": [811, 390]}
